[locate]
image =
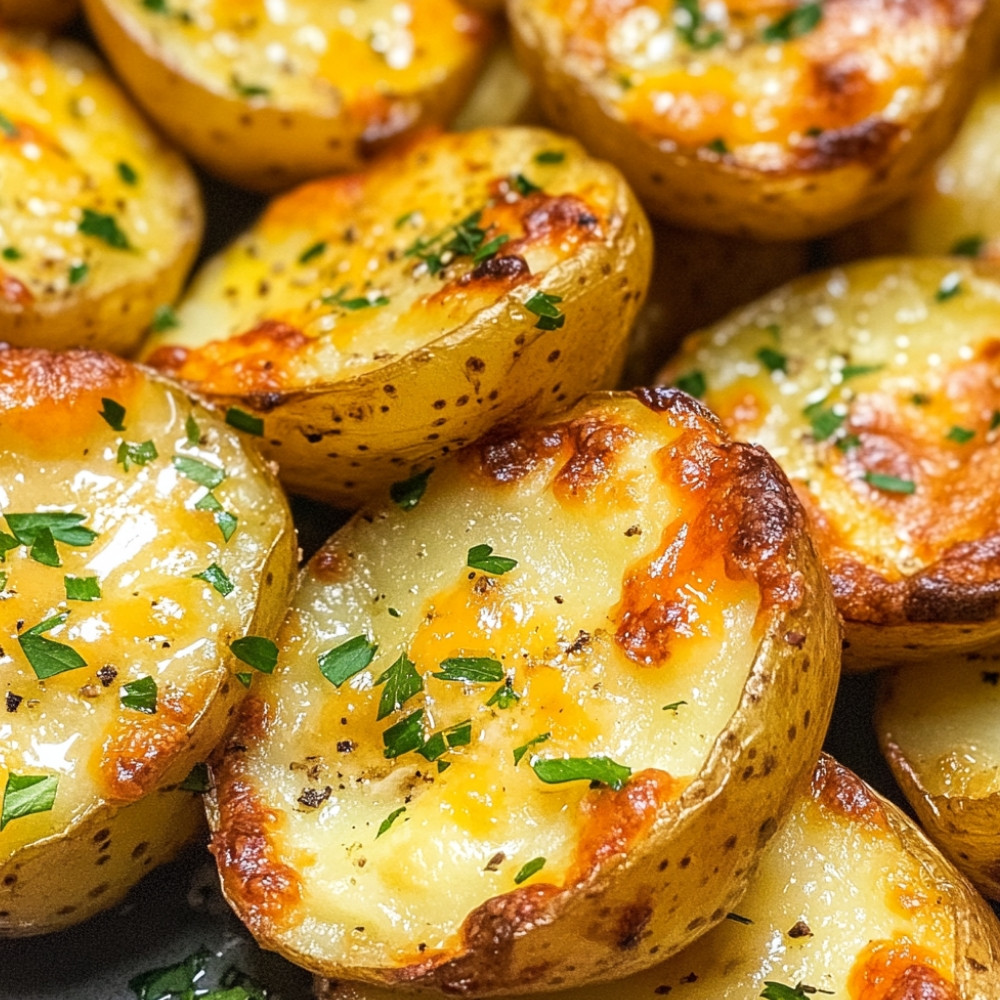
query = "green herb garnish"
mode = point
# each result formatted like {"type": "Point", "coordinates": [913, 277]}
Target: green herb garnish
{"type": "Point", "coordinates": [248, 89]}
{"type": "Point", "coordinates": [82, 588]}
{"type": "Point", "coordinates": [520, 751]}
{"type": "Point", "coordinates": [127, 173]}
{"type": "Point", "coordinates": [556, 770]}
{"type": "Point", "coordinates": [349, 658]}
{"type": "Point", "coordinates": [164, 319]}
{"type": "Point", "coordinates": [198, 471]}
{"type": "Point", "coordinates": [824, 422]}
{"type": "Point", "coordinates": [689, 23]}
{"type": "Point", "coordinates": [256, 651]}
{"type": "Point", "coordinates": [545, 307]}
{"type": "Point", "coordinates": [113, 414]}
{"type": "Point", "coordinates": [78, 272]}
{"type": "Point", "coordinates": [405, 735]}
{"type": "Point", "coordinates": [353, 305]}
{"type": "Point", "coordinates": [25, 794]}
{"type": "Point", "coordinates": [401, 682]}
{"type": "Point", "coordinates": [46, 656]}
{"type": "Point", "coordinates": [471, 669]}
{"type": "Point", "coordinates": [409, 492]}
{"type": "Point", "coordinates": [311, 253]}
{"type": "Point", "coordinates": [951, 285]}
{"type": "Point", "coordinates": [890, 484]}
{"type": "Point", "coordinates": [795, 23]}
{"type": "Point", "coordinates": [550, 156]}
{"type": "Point", "coordinates": [389, 820]}
{"type": "Point", "coordinates": [11, 253]}
{"type": "Point", "coordinates": [673, 706]}
{"type": "Point", "coordinates": [105, 228]}
{"type": "Point", "coordinates": [216, 576]}
{"type": "Point", "coordinates": [693, 383]}
{"type": "Point", "coordinates": [854, 371]}
{"type": "Point", "coordinates": [960, 435]}
{"type": "Point", "coordinates": [140, 695]}
{"type": "Point", "coordinates": [524, 186]}
{"type": "Point", "coordinates": [65, 528]}
{"type": "Point", "coordinates": [532, 867]}
{"type": "Point", "coordinates": [504, 697]}
{"type": "Point", "coordinates": [968, 246]}
{"type": "Point", "coordinates": [244, 421]}
{"type": "Point", "coordinates": [481, 557]}
{"type": "Point", "coordinates": [136, 453]}
{"type": "Point", "coordinates": [490, 249]}
{"type": "Point", "coordinates": [8, 128]}
{"type": "Point", "coordinates": [772, 360]}
{"type": "Point", "coordinates": [197, 779]}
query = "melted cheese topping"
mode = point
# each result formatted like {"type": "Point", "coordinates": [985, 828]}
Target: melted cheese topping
{"type": "Point", "coordinates": [155, 618]}
{"type": "Point", "coordinates": [352, 57]}
{"type": "Point", "coordinates": [347, 274]}
{"type": "Point", "coordinates": [757, 82]}
{"type": "Point", "coordinates": [92, 198]}
{"type": "Point", "coordinates": [813, 915]}
{"type": "Point", "coordinates": [942, 718]}
{"type": "Point", "coordinates": [880, 408]}
{"type": "Point", "coordinates": [584, 507]}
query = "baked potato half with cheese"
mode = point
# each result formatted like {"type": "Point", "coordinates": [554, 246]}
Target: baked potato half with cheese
{"type": "Point", "coordinates": [142, 540]}
{"type": "Point", "coordinates": [378, 321]}
{"type": "Point", "coordinates": [877, 389]}
{"type": "Point", "coordinates": [268, 96]}
{"type": "Point", "coordinates": [38, 13]}
{"type": "Point", "coordinates": [902, 925]}
{"type": "Point", "coordinates": [937, 726]}
{"type": "Point", "coordinates": [954, 209]}
{"type": "Point", "coordinates": [770, 120]}
{"type": "Point", "coordinates": [536, 714]}
{"type": "Point", "coordinates": [99, 218]}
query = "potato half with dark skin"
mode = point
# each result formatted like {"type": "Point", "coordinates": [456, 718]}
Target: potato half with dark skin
{"type": "Point", "coordinates": [49, 14]}
{"type": "Point", "coordinates": [379, 321]}
{"type": "Point", "coordinates": [876, 387]}
{"type": "Point", "coordinates": [533, 722]}
{"type": "Point", "coordinates": [955, 207]}
{"type": "Point", "coordinates": [901, 925]}
{"type": "Point", "coordinates": [267, 96]}
{"type": "Point", "coordinates": [938, 729]}
{"type": "Point", "coordinates": [99, 218]}
{"type": "Point", "coordinates": [141, 536]}
{"type": "Point", "coordinates": [775, 120]}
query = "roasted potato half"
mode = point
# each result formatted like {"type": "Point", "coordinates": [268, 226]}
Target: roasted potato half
{"type": "Point", "coordinates": [535, 717]}
{"type": "Point", "coordinates": [769, 120]}
{"type": "Point", "coordinates": [38, 13]}
{"type": "Point", "coordinates": [876, 388]}
{"type": "Point", "coordinates": [376, 322]}
{"type": "Point", "coordinates": [141, 537]}
{"type": "Point", "coordinates": [99, 218]}
{"type": "Point", "coordinates": [267, 96]}
{"type": "Point", "coordinates": [955, 208]}
{"type": "Point", "coordinates": [938, 729]}
{"type": "Point", "coordinates": [902, 925]}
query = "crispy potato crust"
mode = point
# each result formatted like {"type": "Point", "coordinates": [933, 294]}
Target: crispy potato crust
{"type": "Point", "coordinates": [876, 388]}
{"type": "Point", "coordinates": [647, 549]}
{"type": "Point", "coordinates": [760, 119]}
{"type": "Point", "coordinates": [106, 219]}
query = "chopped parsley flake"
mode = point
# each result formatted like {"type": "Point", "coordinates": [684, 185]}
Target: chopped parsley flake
{"type": "Point", "coordinates": [968, 246]}
{"type": "Point", "coordinates": [311, 253]}
{"type": "Point", "coordinates": [717, 146]}
{"type": "Point", "coordinates": [693, 383]}
{"type": "Point", "coordinates": [401, 682]}
{"type": "Point", "coordinates": [82, 588]}
{"type": "Point", "coordinates": [951, 285]}
{"type": "Point", "coordinates": [44, 549]}
{"type": "Point", "coordinates": [136, 453]}
{"type": "Point", "coordinates": [796, 23]}
{"type": "Point", "coordinates": [216, 576]}
{"type": "Point", "coordinates": [408, 492]}
{"type": "Point", "coordinates": [105, 228]}
{"type": "Point", "coordinates": [504, 697]}
{"type": "Point", "coordinates": [46, 656]}
{"type": "Point", "coordinates": [545, 307]}
{"type": "Point", "coordinates": [65, 528]}
{"type": "Point", "coordinates": [140, 695]}
{"type": "Point", "coordinates": [847, 443]}
{"type": "Point", "coordinates": [772, 360]}
{"type": "Point", "coordinates": [172, 982]}
{"type": "Point", "coordinates": [248, 89]}
{"type": "Point", "coordinates": [548, 156]}
{"type": "Point", "coordinates": [854, 371]}
{"type": "Point", "coordinates": [127, 173]}
{"type": "Point", "coordinates": [439, 743]}
{"type": "Point", "coordinates": [481, 557]}
{"type": "Point", "coordinates": [353, 305]}
{"type": "Point", "coordinates": [198, 471]}
{"type": "Point", "coordinates": [244, 421]}
{"type": "Point", "coordinates": [25, 794]}
{"type": "Point", "coordinates": [342, 662]}
{"type": "Point", "coordinates": [471, 669]}
{"type": "Point", "coordinates": [824, 422]}
{"type": "Point", "coordinates": [556, 770]}
{"type": "Point", "coordinates": [8, 128]}
{"type": "Point", "coordinates": [689, 23]}
{"type": "Point", "coordinates": [960, 435]}
{"type": "Point", "coordinates": [524, 186]}
{"type": "Point", "coordinates": [520, 751]}
{"type": "Point", "coordinates": [389, 820]}
{"type": "Point", "coordinates": [490, 249]}
{"type": "Point", "coordinates": [11, 253]}
{"type": "Point", "coordinates": [113, 414]}
{"type": "Point", "coordinates": [995, 420]}
{"type": "Point", "coordinates": [256, 651]}
{"type": "Point", "coordinates": [405, 735]}
{"type": "Point", "coordinates": [673, 706]}
{"type": "Point", "coordinates": [890, 484]}
{"type": "Point", "coordinates": [197, 779]}
{"type": "Point", "coordinates": [164, 319]}
{"type": "Point", "coordinates": [738, 918]}
{"type": "Point", "coordinates": [191, 431]}
{"type": "Point", "coordinates": [78, 272]}
{"type": "Point", "coordinates": [532, 867]}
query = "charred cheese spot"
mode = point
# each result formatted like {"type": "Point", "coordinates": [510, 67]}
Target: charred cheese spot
{"type": "Point", "coordinates": [898, 970]}
{"type": "Point", "coordinates": [836, 788]}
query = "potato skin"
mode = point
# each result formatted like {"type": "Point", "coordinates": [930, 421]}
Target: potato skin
{"type": "Point", "coordinates": [156, 616]}
{"type": "Point", "coordinates": [356, 396]}
{"type": "Point", "coordinates": [61, 285]}
{"type": "Point", "coordinates": [853, 939]}
{"type": "Point", "coordinates": [935, 729]}
{"type": "Point", "coordinates": [256, 123]}
{"type": "Point", "coordinates": [874, 387]}
{"type": "Point", "coordinates": [650, 869]}
{"type": "Point", "coordinates": [733, 147]}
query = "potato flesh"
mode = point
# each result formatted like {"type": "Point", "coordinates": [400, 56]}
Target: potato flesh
{"type": "Point", "coordinates": [154, 618]}
{"type": "Point", "coordinates": [810, 873]}
{"type": "Point", "coordinates": [943, 719]}
{"type": "Point", "coordinates": [346, 240]}
{"type": "Point", "coordinates": [76, 140]}
{"type": "Point", "coordinates": [417, 882]}
{"type": "Point", "coordinates": [924, 342]}
{"type": "Point", "coordinates": [315, 55]}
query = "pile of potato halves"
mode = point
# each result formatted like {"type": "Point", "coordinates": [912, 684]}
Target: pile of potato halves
{"type": "Point", "coordinates": [546, 713]}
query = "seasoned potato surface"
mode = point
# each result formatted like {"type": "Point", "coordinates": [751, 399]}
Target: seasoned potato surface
{"type": "Point", "coordinates": [876, 389]}
{"type": "Point", "coordinates": [99, 219]}
{"type": "Point", "coordinates": [266, 94]}
{"type": "Point", "coordinates": [521, 715]}
{"type": "Point", "coordinates": [140, 537]}
{"type": "Point", "coordinates": [775, 120]}
{"type": "Point", "coordinates": [937, 725]}
{"type": "Point", "coordinates": [900, 926]}
{"type": "Point", "coordinates": [380, 320]}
